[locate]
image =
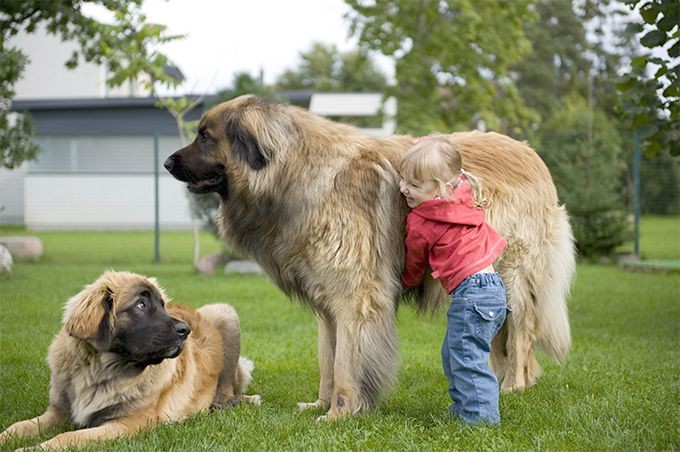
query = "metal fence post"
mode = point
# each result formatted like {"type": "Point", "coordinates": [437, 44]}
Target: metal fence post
{"type": "Point", "coordinates": [636, 194]}
{"type": "Point", "coordinates": [157, 228]}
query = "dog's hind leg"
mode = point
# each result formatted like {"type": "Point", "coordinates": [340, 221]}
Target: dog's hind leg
{"type": "Point", "coordinates": [326, 352]}
{"type": "Point", "coordinates": [519, 369]}
{"type": "Point", "coordinates": [224, 318]}
{"type": "Point", "coordinates": [499, 353]}
{"type": "Point", "coordinates": [51, 418]}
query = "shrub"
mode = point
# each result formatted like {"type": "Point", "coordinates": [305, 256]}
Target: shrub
{"type": "Point", "coordinates": [583, 150]}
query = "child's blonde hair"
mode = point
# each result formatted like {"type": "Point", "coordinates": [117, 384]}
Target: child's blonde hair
{"type": "Point", "coordinates": [436, 158]}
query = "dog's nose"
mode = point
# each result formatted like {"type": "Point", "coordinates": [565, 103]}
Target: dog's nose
{"type": "Point", "coordinates": [182, 329]}
{"type": "Point", "coordinates": [169, 163]}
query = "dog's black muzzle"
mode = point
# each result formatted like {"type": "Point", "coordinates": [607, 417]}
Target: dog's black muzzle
{"type": "Point", "coordinates": [173, 167]}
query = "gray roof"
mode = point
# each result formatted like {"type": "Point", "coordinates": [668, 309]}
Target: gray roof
{"type": "Point", "coordinates": [108, 116]}
{"type": "Point", "coordinates": [115, 115]}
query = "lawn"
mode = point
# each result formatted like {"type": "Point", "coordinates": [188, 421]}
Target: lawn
{"type": "Point", "coordinates": [619, 389]}
{"type": "Point", "coordinates": [659, 238]}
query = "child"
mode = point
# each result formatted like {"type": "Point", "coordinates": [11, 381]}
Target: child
{"type": "Point", "coordinates": [446, 230]}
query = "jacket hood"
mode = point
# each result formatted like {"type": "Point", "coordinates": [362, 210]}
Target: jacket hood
{"type": "Point", "coordinates": [460, 210]}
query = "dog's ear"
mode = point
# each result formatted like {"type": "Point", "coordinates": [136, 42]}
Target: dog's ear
{"type": "Point", "coordinates": [245, 146]}
{"type": "Point", "coordinates": [89, 315]}
{"type": "Point", "coordinates": [259, 130]}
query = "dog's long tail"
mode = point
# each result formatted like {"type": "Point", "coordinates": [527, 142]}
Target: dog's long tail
{"type": "Point", "coordinates": [552, 321]}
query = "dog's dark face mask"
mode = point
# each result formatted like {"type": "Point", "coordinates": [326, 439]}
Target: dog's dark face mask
{"type": "Point", "coordinates": [223, 144]}
{"type": "Point", "coordinates": [144, 333]}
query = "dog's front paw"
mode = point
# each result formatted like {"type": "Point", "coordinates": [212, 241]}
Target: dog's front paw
{"type": "Point", "coordinates": [252, 399]}
{"type": "Point", "coordinates": [323, 404]}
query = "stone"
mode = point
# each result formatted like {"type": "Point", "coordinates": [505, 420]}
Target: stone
{"type": "Point", "coordinates": [23, 246]}
{"type": "Point", "coordinates": [5, 260]}
{"type": "Point", "coordinates": [240, 266]}
{"type": "Point", "coordinates": [207, 264]}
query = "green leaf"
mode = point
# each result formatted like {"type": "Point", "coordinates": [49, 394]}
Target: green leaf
{"type": "Point", "coordinates": [626, 84]}
{"type": "Point", "coordinates": [661, 72]}
{"type": "Point", "coordinates": [673, 90]}
{"type": "Point", "coordinates": [635, 28]}
{"type": "Point", "coordinates": [667, 23]}
{"type": "Point", "coordinates": [649, 12]}
{"type": "Point", "coordinates": [674, 51]}
{"type": "Point", "coordinates": [653, 39]}
{"type": "Point", "coordinates": [639, 63]}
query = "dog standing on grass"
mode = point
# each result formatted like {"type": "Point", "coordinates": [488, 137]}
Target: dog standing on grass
{"type": "Point", "coordinates": [317, 204]}
{"type": "Point", "coordinates": [125, 360]}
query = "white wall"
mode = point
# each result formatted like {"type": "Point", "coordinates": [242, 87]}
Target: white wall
{"type": "Point", "coordinates": [12, 195]}
{"type": "Point", "coordinates": [357, 104]}
{"type": "Point", "coordinates": [46, 77]}
{"type": "Point", "coordinates": [103, 202]}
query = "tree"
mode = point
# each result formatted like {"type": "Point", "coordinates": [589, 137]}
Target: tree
{"type": "Point", "coordinates": [583, 150]}
{"type": "Point", "coordinates": [15, 129]}
{"type": "Point", "coordinates": [576, 48]}
{"type": "Point", "coordinates": [650, 104]}
{"type": "Point", "coordinates": [452, 59]}
{"type": "Point", "coordinates": [127, 46]}
{"type": "Point", "coordinates": [324, 68]}
{"type": "Point", "coordinates": [244, 83]}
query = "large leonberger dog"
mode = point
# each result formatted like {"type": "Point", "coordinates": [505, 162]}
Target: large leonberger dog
{"type": "Point", "coordinates": [126, 359]}
{"type": "Point", "coordinates": [317, 205]}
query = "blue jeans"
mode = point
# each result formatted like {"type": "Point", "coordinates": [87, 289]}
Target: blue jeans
{"type": "Point", "coordinates": [477, 312]}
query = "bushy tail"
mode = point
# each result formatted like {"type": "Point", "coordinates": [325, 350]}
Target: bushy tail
{"type": "Point", "coordinates": [552, 291]}
{"type": "Point", "coordinates": [430, 298]}
{"type": "Point", "coordinates": [244, 375]}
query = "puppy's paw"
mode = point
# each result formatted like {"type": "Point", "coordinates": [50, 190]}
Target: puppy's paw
{"type": "Point", "coordinates": [323, 404]}
{"type": "Point", "coordinates": [332, 416]}
{"type": "Point", "coordinates": [252, 399]}
{"type": "Point", "coordinates": [223, 405]}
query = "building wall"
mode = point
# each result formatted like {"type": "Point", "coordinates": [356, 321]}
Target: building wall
{"type": "Point", "coordinates": [46, 76]}
{"type": "Point", "coordinates": [12, 195]}
{"type": "Point", "coordinates": [104, 202]}
{"type": "Point", "coordinates": [102, 182]}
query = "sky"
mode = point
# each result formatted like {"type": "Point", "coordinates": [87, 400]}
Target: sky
{"type": "Point", "coordinates": [225, 37]}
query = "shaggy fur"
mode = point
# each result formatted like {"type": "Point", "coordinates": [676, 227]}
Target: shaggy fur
{"type": "Point", "coordinates": [317, 205]}
{"type": "Point", "coordinates": [112, 365]}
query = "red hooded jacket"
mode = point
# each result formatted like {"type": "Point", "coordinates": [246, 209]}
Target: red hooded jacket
{"type": "Point", "coordinates": [452, 237]}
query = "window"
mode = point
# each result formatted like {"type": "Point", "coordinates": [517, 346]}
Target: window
{"type": "Point", "coordinates": [100, 154]}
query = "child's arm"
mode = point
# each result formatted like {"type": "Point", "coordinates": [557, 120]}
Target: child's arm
{"type": "Point", "coordinates": [415, 260]}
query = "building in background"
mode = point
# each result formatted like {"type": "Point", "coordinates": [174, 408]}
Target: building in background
{"type": "Point", "coordinates": [96, 166]}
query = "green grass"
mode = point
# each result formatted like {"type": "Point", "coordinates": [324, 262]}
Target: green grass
{"type": "Point", "coordinates": [619, 389]}
{"type": "Point", "coordinates": [659, 238]}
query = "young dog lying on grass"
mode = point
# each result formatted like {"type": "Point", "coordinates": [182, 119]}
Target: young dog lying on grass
{"type": "Point", "coordinates": [126, 360]}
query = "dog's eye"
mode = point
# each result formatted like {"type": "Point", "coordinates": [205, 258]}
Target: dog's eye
{"type": "Point", "coordinates": [203, 134]}
{"type": "Point", "coordinates": [141, 305]}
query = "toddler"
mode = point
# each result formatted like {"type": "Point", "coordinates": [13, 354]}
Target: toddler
{"type": "Point", "coordinates": [446, 230]}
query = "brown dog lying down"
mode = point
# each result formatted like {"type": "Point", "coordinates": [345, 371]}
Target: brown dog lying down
{"type": "Point", "coordinates": [125, 360]}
